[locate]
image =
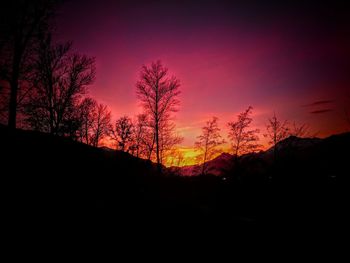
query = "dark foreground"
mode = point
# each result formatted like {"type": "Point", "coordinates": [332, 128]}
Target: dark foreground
{"type": "Point", "coordinates": [58, 186]}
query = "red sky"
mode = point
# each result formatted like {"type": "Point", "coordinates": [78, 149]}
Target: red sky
{"type": "Point", "coordinates": [227, 54]}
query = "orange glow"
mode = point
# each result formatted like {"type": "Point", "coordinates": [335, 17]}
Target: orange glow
{"type": "Point", "coordinates": [189, 155]}
{"type": "Point", "coordinates": [183, 156]}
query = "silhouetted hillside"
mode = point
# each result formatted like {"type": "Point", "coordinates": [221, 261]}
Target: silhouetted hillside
{"type": "Point", "coordinates": [307, 156]}
{"type": "Point", "coordinates": [300, 161]}
{"type": "Point", "coordinates": [57, 183]}
{"type": "Point", "coordinates": [216, 166]}
{"type": "Point", "coordinates": [71, 184]}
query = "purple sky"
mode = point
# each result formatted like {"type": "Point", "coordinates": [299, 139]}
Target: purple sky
{"type": "Point", "coordinates": [290, 58]}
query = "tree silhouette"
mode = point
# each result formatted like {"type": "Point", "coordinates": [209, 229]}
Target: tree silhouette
{"type": "Point", "coordinates": [60, 79]}
{"type": "Point", "coordinates": [149, 142]}
{"type": "Point", "coordinates": [243, 139]}
{"type": "Point", "coordinates": [301, 130]}
{"type": "Point", "coordinates": [87, 114]}
{"type": "Point", "coordinates": [208, 142]}
{"type": "Point", "coordinates": [140, 134]}
{"type": "Point", "coordinates": [71, 124]}
{"type": "Point", "coordinates": [158, 94]}
{"type": "Point", "coordinates": [22, 25]}
{"type": "Point", "coordinates": [101, 125]}
{"type": "Point", "coordinates": [124, 133]}
{"type": "Point", "coordinates": [168, 140]}
{"type": "Point", "coordinates": [276, 131]}
{"type": "Point", "coordinates": [177, 158]}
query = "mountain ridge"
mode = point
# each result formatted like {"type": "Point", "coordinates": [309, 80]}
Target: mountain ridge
{"type": "Point", "coordinates": [225, 161]}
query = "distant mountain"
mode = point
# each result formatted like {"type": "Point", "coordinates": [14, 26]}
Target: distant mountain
{"type": "Point", "coordinates": [293, 142]}
{"type": "Point", "coordinates": [286, 146]}
{"type": "Point", "coordinates": [216, 166]}
{"type": "Point", "coordinates": [290, 147]}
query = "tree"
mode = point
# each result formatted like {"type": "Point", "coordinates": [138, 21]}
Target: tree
{"type": "Point", "coordinates": [88, 115]}
{"type": "Point", "coordinates": [301, 130]}
{"type": "Point", "coordinates": [208, 142]}
{"type": "Point", "coordinates": [124, 133]}
{"type": "Point", "coordinates": [140, 134]}
{"type": "Point", "coordinates": [101, 125]}
{"type": "Point", "coordinates": [22, 24]}
{"type": "Point", "coordinates": [168, 140]}
{"type": "Point", "coordinates": [276, 131]}
{"type": "Point", "coordinates": [71, 124]}
{"type": "Point", "coordinates": [148, 143]}
{"type": "Point", "coordinates": [243, 139]}
{"type": "Point", "coordinates": [177, 158]}
{"type": "Point", "coordinates": [60, 79]}
{"type": "Point", "coordinates": [94, 121]}
{"type": "Point", "coordinates": [158, 94]}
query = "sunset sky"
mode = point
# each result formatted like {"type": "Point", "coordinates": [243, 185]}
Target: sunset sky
{"type": "Point", "coordinates": [290, 58]}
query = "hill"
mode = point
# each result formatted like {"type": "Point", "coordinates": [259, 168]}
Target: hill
{"type": "Point", "coordinates": [216, 166]}
{"type": "Point", "coordinates": [303, 152]}
{"type": "Point", "coordinates": [51, 181]}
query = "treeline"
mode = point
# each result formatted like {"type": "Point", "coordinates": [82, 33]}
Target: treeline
{"type": "Point", "coordinates": [242, 138]}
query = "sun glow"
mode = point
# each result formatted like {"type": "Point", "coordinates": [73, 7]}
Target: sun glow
{"type": "Point", "coordinates": [182, 156]}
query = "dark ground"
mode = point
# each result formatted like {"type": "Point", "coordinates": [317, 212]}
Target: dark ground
{"type": "Point", "coordinates": [55, 186]}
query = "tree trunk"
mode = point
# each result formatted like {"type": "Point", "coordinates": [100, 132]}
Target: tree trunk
{"type": "Point", "coordinates": [13, 104]}
{"type": "Point", "coordinates": [157, 119]}
{"type": "Point", "coordinates": [14, 89]}
{"type": "Point", "coordinates": [151, 149]}
{"type": "Point", "coordinates": [51, 106]}
{"type": "Point", "coordinates": [157, 148]}
{"type": "Point", "coordinates": [236, 154]}
{"type": "Point", "coordinates": [203, 168]}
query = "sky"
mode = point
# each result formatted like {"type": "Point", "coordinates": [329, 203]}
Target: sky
{"type": "Point", "coordinates": [287, 57]}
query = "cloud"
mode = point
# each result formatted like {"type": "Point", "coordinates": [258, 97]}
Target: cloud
{"type": "Point", "coordinates": [320, 111]}
{"type": "Point", "coordinates": [318, 103]}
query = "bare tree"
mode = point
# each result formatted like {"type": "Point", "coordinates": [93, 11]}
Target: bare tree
{"type": "Point", "coordinates": [243, 139]}
{"type": "Point", "coordinates": [102, 124]}
{"type": "Point", "coordinates": [60, 80]}
{"type": "Point", "coordinates": [124, 133]}
{"type": "Point", "coordinates": [168, 140]}
{"type": "Point", "coordinates": [149, 140]}
{"type": "Point", "coordinates": [177, 158]}
{"type": "Point", "coordinates": [208, 142]}
{"type": "Point", "coordinates": [301, 130]}
{"type": "Point", "coordinates": [88, 116]}
{"type": "Point", "coordinates": [71, 124]}
{"type": "Point", "coordinates": [276, 131]}
{"type": "Point", "coordinates": [143, 140]}
{"type": "Point", "coordinates": [140, 134]}
{"type": "Point", "coordinates": [180, 158]}
{"type": "Point", "coordinates": [158, 94]}
{"type": "Point", "coordinates": [22, 24]}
